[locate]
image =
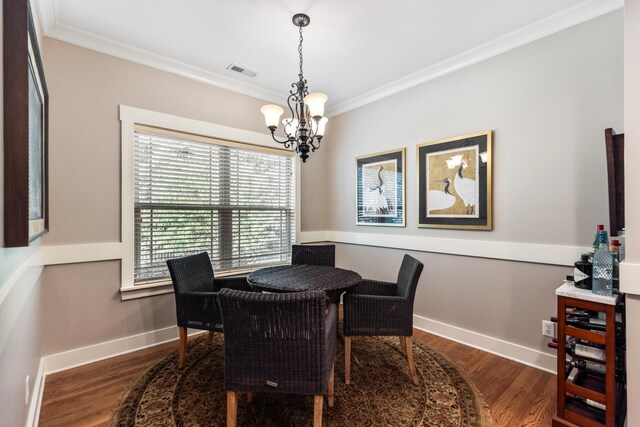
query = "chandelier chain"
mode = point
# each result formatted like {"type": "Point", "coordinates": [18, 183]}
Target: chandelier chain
{"type": "Point", "coordinates": [300, 52]}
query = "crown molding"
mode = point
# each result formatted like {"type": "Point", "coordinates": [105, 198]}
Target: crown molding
{"type": "Point", "coordinates": [545, 27]}
{"type": "Point", "coordinates": [540, 29]}
{"type": "Point", "coordinates": [53, 29]}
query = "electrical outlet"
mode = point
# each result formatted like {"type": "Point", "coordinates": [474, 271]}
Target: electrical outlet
{"type": "Point", "coordinates": [26, 390]}
{"type": "Point", "coordinates": [548, 329]}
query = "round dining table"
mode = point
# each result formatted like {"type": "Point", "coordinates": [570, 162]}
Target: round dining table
{"type": "Point", "coordinates": [297, 278]}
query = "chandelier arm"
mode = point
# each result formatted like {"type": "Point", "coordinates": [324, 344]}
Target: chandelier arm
{"type": "Point", "coordinates": [311, 143]}
{"type": "Point", "coordinates": [287, 142]}
{"type": "Point", "coordinates": [291, 97]}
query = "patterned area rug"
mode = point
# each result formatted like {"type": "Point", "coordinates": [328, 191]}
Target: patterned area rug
{"type": "Point", "coordinates": [381, 392]}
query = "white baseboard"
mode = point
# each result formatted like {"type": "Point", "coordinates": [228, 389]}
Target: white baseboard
{"type": "Point", "coordinates": [94, 353]}
{"type": "Point", "coordinates": [518, 353]}
{"type": "Point", "coordinates": [85, 355]}
{"type": "Point", "coordinates": [36, 397]}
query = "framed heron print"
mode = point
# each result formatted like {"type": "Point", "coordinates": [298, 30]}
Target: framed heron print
{"type": "Point", "coordinates": [380, 182]}
{"type": "Point", "coordinates": [454, 182]}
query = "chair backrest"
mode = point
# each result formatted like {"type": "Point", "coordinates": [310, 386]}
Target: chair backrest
{"type": "Point", "coordinates": [408, 277]}
{"type": "Point", "coordinates": [191, 273]}
{"type": "Point", "coordinates": [274, 342]}
{"type": "Point", "coordinates": [313, 255]}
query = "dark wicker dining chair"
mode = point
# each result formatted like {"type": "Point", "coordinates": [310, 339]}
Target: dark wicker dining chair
{"type": "Point", "coordinates": [313, 255]}
{"type": "Point", "coordinates": [196, 292]}
{"type": "Point", "coordinates": [375, 308]}
{"type": "Point", "coordinates": [278, 343]}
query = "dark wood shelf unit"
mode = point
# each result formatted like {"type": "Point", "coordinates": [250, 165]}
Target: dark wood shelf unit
{"type": "Point", "coordinates": [602, 390]}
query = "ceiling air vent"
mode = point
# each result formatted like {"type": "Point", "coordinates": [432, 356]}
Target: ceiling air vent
{"type": "Point", "coordinates": [241, 70]}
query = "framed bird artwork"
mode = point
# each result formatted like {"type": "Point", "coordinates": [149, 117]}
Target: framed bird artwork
{"type": "Point", "coordinates": [380, 188]}
{"type": "Point", "coordinates": [454, 182]}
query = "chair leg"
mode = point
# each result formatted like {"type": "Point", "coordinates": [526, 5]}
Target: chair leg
{"type": "Point", "coordinates": [347, 359]}
{"type": "Point", "coordinates": [232, 408]}
{"type": "Point", "coordinates": [249, 396]}
{"type": "Point", "coordinates": [330, 387]}
{"type": "Point", "coordinates": [183, 347]}
{"type": "Point", "coordinates": [210, 339]}
{"type": "Point", "coordinates": [412, 367]}
{"type": "Point", "coordinates": [317, 411]}
{"type": "Point", "coordinates": [403, 345]}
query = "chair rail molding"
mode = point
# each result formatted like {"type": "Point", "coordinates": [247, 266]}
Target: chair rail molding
{"type": "Point", "coordinates": [538, 253]}
{"type": "Point", "coordinates": [83, 252]}
{"type": "Point", "coordinates": [630, 277]}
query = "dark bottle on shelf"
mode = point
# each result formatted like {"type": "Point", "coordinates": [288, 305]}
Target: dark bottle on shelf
{"type": "Point", "coordinates": [595, 408]}
{"type": "Point", "coordinates": [588, 351]}
{"type": "Point", "coordinates": [582, 349]}
{"type": "Point", "coordinates": [582, 272]}
{"type": "Point", "coordinates": [615, 280]}
{"type": "Point", "coordinates": [596, 369]}
{"type": "Point", "coordinates": [592, 324]}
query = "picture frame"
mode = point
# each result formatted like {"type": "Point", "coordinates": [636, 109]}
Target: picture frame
{"type": "Point", "coordinates": [26, 128]}
{"type": "Point", "coordinates": [380, 188]}
{"type": "Point", "coordinates": [454, 182]}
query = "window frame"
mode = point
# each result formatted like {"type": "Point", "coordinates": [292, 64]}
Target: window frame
{"type": "Point", "coordinates": [129, 118]}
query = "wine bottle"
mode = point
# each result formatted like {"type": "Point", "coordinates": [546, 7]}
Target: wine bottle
{"type": "Point", "coordinates": [621, 247]}
{"type": "Point", "coordinates": [602, 268]}
{"type": "Point", "coordinates": [594, 368]}
{"type": "Point", "coordinates": [615, 271]}
{"type": "Point", "coordinates": [591, 404]}
{"type": "Point", "coordinates": [582, 349]}
{"type": "Point", "coordinates": [579, 311]}
{"type": "Point", "coordinates": [592, 324]}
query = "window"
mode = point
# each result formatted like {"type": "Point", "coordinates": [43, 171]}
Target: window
{"type": "Point", "coordinates": [193, 194]}
{"type": "Point", "coordinates": [191, 186]}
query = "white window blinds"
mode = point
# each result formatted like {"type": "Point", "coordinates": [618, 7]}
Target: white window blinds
{"type": "Point", "coordinates": [195, 194]}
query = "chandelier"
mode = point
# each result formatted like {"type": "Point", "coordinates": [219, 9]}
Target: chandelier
{"type": "Point", "coordinates": [305, 128]}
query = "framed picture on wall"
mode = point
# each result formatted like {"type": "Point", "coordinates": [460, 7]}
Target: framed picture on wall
{"type": "Point", "coordinates": [380, 182]}
{"type": "Point", "coordinates": [454, 182]}
{"type": "Point", "coordinates": [26, 107]}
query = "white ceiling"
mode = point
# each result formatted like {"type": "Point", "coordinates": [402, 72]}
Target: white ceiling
{"type": "Point", "coordinates": [356, 51]}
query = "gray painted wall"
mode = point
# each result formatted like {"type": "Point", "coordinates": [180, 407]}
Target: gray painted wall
{"type": "Point", "coordinates": [19, 345]}
{"type": "Point", "coordinates": [548, 103]}
{"type": "Point", "coordinates": [502, 299]}
{"type": "Point", "coordinates": [86, 88]}
{"type": "Point", "coordinates": [84, 307]}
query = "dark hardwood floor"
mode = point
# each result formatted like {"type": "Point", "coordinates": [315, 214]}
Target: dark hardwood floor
{"type": "Point", "coordinates": [517, 395]}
